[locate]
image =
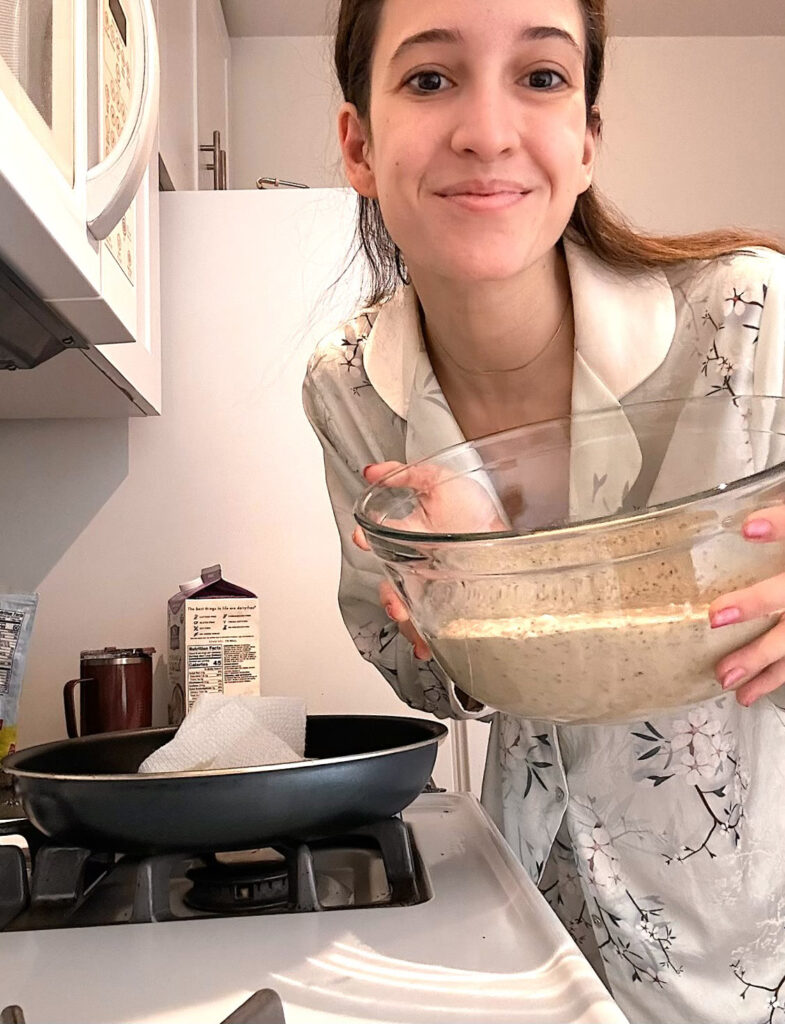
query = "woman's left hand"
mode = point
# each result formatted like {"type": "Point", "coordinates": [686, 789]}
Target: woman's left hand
{"type": "Point", "coordinates": [759, 667]}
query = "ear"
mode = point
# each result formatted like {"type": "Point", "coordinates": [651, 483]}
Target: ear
{"type": "Point", "coordinates": [354, 140]}
{"type": "Point", "coordinates": [591, 141]}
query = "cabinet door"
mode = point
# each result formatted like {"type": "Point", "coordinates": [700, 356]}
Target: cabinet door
{"type": "Point", "coordinates": [212, 83]}
{"type": "Point", "coordinates": [177, 133]}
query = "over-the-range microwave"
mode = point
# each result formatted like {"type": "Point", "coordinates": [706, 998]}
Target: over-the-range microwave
{"type": "Point", "coordinates": [79, 84]}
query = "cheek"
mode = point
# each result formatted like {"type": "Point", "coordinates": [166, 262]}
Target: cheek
{"type": "Point", "coordinates": [399, 171]}
{"type": "Point", "coordinates": [562, 153]}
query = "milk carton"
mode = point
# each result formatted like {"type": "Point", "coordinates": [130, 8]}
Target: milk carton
{"type": "Point", "coordinates": [213, 641]}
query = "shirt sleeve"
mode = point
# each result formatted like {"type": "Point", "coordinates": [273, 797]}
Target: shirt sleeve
{"type": "Point", "coordinates": [420, 684]}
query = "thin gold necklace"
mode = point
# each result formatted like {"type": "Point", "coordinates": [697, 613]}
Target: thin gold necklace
{"type": "Point", "coordinates": [509, 369]}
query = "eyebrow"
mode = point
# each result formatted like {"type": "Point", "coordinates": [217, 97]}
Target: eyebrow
{"type": "Point", "coordinates": [452, 35]}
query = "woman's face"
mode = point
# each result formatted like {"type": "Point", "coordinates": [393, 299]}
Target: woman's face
{"type": "Point", "coordinates": [478, 143]}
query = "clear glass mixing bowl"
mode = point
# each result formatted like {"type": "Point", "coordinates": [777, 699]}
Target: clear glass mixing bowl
{"type": "Point", "coordinates": [564, 570]}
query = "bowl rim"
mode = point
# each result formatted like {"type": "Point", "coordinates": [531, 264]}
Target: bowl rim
{"type": "Point", "coordinates": [566, 531]}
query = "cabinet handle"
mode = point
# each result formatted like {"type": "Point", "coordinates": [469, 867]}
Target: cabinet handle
{"type": "Point", "coordinates": [218, 166]}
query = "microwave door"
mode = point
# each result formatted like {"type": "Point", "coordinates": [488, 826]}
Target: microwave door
{"type": "Point", "coordinates": [36, 73]}
{"type": "Point", "coordinates": [128, 25]}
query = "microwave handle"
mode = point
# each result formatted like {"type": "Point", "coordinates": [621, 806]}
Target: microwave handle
{"type": "Point", "coordinates": [114, 181]}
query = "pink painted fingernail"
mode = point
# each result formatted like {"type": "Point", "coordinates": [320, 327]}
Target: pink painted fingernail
{"type": "Point", "coordinates": [725, 617]}
{"type": "Point", "coordinates": [365, 470]}
{"type": "Point", "coordinates": [735, 675]}
{"type": "Point", "coordinates": [758, 529]}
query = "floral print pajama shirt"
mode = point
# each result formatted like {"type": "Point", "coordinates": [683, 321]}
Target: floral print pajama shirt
{"type": "Point", "coordinates": [661, 843]}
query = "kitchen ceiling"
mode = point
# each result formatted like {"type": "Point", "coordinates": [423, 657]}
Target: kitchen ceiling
{"type": "Point", "coordinates": [627, 17]}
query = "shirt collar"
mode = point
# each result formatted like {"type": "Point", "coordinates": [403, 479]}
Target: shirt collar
{"type": "Point", "coordinates": [624, 326]}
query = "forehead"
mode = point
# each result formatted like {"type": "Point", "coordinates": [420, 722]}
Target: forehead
{"type": "Point", "coordinates": [478, 22]}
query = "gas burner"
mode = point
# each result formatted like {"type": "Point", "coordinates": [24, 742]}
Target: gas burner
{"type": "Point", "coordinates": [54, 886]}
{"type": "Point", "coordinates": [237, 888]}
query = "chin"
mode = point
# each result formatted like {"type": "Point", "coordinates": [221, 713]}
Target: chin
{"type": "Point", "coordinates": [479, 267]}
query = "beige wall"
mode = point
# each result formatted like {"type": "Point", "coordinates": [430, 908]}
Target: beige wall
{"type": "Point", "coordinates": [694, 131]}
{"type": "Point", "coordinates": [282, 111]}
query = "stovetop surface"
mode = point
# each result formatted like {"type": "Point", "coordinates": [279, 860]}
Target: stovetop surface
{"type": "Point", "coordinates": [484, 948]}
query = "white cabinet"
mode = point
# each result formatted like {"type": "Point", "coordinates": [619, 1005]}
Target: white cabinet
{"type": "Point", "coordinates": [195, 68]}
{"type": "Point", "coordinates": [79, 222]}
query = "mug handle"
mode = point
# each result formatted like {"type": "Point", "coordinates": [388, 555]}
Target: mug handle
{"type": "Point", "coordinates": [70, 706]}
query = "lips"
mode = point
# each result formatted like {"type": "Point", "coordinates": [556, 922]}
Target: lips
{"type": "Point", "coordinates": [484, 189]}
{"type": "Point", "coordinates": [483, 196]}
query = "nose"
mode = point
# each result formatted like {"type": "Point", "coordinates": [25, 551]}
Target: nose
{"type": "Point", "coordinates": [487, 124]}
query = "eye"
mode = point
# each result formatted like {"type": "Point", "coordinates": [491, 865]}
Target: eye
{"type": "Point", "coordinates": [545, 79]}
{"type": "Point", "coordinates": [428, 81]}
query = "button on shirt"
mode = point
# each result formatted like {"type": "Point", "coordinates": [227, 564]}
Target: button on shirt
{"type": "Point", "coordinates": [658, 843]}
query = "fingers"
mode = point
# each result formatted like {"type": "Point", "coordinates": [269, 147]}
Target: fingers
{"type": "Point", "coordinates": [359, 538]}
{"type": "Point", "coordinates": [759, 667]}
{"type": "Point", "coordinates": [398, 612]}
{"type": "Point", "coordinates": [765, 525]}
{"type": "Point", "coordinates": [377, 470]}
{"type": "Point", "coordinates": [771, 678]}
{"type": "Point", "coordinates": [747, 662]}
{"type": "Point", "coordinates": [391, 602]}
{"type": "Point", "coordinates": [764, 598]}
{"type": "Point", "coordinates": [416, 477]}
{"type": "Point", "coordinates": [422, 651]}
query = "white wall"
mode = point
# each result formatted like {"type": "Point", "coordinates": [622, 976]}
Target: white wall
{"type": "Point", "coordinates": [694, 135]}
{"type": "Point", "coordinates": [283, 108]}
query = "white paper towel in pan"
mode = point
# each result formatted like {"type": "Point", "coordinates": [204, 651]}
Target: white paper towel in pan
{"type": "Point", "coordinates": [234, 732]}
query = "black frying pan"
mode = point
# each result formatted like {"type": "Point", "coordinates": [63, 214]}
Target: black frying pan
{"type": "Point", "coordinates": [86, 791]}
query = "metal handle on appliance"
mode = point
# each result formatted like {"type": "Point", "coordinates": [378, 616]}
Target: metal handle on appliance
{"type": "Point", "coordinates": [114, 181]}
{"type": "Point", "coordinates": [278, 183]}
{"type": "Point", "coordinates": [218, 166]}
{"type": "Point", "coordinates": [461, 770]}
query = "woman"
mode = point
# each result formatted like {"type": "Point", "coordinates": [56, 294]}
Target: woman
{"type": "Point", "coordinates": [470, 137]}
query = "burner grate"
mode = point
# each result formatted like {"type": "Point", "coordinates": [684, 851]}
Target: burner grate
{"type": "Point", "coordinates": [369, 866]}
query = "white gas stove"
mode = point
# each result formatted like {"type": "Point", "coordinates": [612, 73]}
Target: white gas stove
{"type": "Point", "coordinates": [473, 941]}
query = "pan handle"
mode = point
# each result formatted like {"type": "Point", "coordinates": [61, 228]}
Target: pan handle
{"type": "Point", "coordinates": [69, 705]}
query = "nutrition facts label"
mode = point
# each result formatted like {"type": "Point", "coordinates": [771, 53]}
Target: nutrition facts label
{"type": "Point", "coordinates": [10, 624]}
{"type": "Point", "coordinates": [221, 647]}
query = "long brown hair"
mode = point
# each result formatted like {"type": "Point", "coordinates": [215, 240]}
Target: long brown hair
{"type": "Point", "coordinates": [594, 222]}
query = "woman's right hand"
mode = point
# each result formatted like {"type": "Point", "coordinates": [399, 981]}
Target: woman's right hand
{"type": "Point", "coordinates": [395, 608]}
{"type": "Point", "coordinates": [433, 516]}
{"type": "Point", "coordinates": [398, 612]}
{"type": "Point", "coordinates": [388, 595]}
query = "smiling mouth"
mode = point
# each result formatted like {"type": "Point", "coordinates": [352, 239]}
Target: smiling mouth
{"type": "Point", "coordinates": [494, 199]}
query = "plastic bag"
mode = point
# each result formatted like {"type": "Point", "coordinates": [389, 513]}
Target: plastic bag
{"type": "Point", "coordinates": [17, 612]}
